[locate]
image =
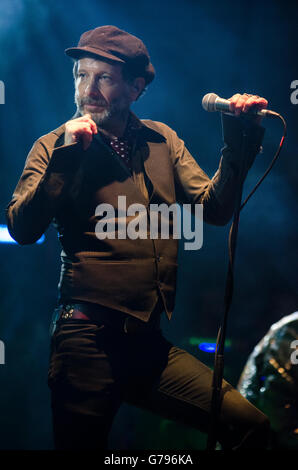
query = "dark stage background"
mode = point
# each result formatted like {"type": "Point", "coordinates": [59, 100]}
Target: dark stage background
{"type": "Point", "coordinates": [196, 47]}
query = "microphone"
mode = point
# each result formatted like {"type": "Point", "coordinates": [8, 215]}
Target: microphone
{"type": "Point", "coordinates": [212, 102]}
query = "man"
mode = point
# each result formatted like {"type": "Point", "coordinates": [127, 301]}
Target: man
{"type": "Point", "coordinates": [107, 346]}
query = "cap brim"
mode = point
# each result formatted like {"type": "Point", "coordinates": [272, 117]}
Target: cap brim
{"type": "Point", "coordinates": [77, 52]}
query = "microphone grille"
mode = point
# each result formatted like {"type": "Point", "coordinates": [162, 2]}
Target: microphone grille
{"type": "Point", "coordinates": [208, 102]}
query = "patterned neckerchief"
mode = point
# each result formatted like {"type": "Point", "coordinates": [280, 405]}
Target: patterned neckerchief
{"type": "Point", "coordinates": [123, 145]}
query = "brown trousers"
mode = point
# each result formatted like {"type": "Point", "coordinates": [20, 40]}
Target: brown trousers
{"type": "Point", "coordinates": [94, 368]}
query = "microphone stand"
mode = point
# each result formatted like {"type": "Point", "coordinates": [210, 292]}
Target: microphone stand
{"type": "Point", "coordinates": [219, 353]}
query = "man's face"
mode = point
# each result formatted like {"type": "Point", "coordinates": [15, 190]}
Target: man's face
{"type": "Point", "coordinates": [101, 91]}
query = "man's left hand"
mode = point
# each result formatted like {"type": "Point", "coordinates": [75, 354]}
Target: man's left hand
{"type": "Point", "coordinates": [246, 103]}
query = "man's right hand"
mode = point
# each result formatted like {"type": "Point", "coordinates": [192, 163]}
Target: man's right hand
{"type": "Point", "coordinates": [81, 128]}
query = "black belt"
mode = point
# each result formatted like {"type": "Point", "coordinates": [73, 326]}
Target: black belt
{"type": "Point", "coordinates": [99, 314]}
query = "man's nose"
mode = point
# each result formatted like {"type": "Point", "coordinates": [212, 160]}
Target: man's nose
{"type": "Point", "coordinates": [93, 89]}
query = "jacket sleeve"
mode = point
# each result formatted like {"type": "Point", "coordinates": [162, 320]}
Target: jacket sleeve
{"type": "Point", "coordinates": [217, 194]}
{"type": "Point", "coordinates": [46, 173]}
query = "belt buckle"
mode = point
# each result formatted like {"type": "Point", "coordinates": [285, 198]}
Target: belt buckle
{"type": "Point", "coordinates": [60, 313]}
{"type": "Point", "coordinates": [67, 312]}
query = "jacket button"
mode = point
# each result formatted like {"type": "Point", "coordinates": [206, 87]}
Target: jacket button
{"type": "Point", "coordinates": [158, 258]}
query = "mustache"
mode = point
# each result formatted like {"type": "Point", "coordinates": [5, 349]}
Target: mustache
{"type": "Point", "coordinates": [92, 102]}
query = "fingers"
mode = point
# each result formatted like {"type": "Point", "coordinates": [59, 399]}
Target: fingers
{"type": "Point", "coordinates": [86, 135]}
{"type": "Point", "coordinates": [245, 103]}
{"type": "Point", "coordinates": [87, 118]}
{"type": "Point", "coordinates": [255, 101]}
{"type": "Point", "coordinates": [83, 132]}
{"type": "Point", "coordinates": [237, 103]}
{"type": "Point", "coordinates": [82, 129]}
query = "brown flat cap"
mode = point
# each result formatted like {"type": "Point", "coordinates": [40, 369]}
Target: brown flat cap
{"type": "Point", "coordinates": [112, 43]}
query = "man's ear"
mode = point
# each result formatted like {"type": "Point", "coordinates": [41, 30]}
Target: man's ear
{"type": "Point", "coordinates": [137, 87]}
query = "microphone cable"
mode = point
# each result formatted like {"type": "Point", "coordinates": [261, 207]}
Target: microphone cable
{"type": "Point", "coordinates": [229, 287]}
{"type": "Point", "coordinates": [272, 162]}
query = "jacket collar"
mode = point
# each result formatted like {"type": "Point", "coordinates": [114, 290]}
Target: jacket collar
{"type": "Point", "coordinates": [137, 126]}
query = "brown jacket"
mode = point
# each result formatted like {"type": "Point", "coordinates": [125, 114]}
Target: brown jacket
{"type": "Point", "coordinates": [64, 184]}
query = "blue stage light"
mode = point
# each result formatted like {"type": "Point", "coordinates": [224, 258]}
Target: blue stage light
{"type": "Point", "coordinates": [207, 347]}
{"type": "Point", "coordinates": [6, 238]}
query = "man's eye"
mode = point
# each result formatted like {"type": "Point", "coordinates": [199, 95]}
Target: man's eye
{"type": "Point", "coordinates": [81, 75]}
{"type": "Point", "coordinates": [106, 78]}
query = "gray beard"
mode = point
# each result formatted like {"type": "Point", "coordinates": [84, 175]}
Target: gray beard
{"type": "Point", "coordinates": [103, 118]}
